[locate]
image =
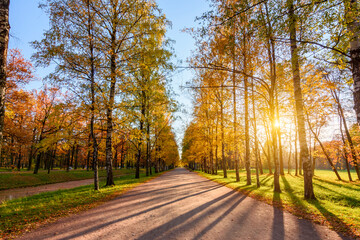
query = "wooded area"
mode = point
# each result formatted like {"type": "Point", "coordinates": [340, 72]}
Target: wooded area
{"type": "Point", "coordinates": [275, 88]}
{"type": "Point", "coordinates": [107, 103]}
{"type": "Point", "coordinates": [273, 79]}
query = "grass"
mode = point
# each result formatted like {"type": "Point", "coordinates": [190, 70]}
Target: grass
{"type": "Point", "coordinates": [337, 205]}
{"type": "Point", "coordinates": [24, 214]}
{"type": "Point", "coordinates": [17, 179]}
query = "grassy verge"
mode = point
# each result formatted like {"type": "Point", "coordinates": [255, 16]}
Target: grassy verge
{"type": "Point", "coordinates": [28, 179]}
{"type": "Point", "coordinates": [337, 205]}
{"type": "Point", "coordinates": [24, 214]}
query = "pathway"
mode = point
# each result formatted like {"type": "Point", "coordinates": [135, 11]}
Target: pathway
{"type": "Point", "coordinates": [182, 205]}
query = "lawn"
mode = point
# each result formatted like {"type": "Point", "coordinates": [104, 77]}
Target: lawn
{"type": "Point", "coordinates": [17, 179]}
{"type": "Point", "coordinates": [337, 205]}
{"type": "Point", "coordinates": [24, 214]}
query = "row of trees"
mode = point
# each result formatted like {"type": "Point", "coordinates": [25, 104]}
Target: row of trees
{"type": "Point", "coordinates": [284, 67]}
{"type": "Point", "coordinates": [109, 102]}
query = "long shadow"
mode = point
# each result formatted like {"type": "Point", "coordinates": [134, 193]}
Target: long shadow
{"type": "Point", "coordinates": [278, 231]}
{"type": "Point", "coordinates": [218, 220]}
{"type": "Point", "coordinates": [290, 191]}
{"type": "Point", "coordinates": [163, 189]}
{"type": "Point", "coordinates": [176, 222]}
{"type": "Point", "coordinates": [337, 224]}
{"type": "Point", "coordinates": [354, 186]}
{"type": "Point", "coordinates": [316, 203]}
{"type": "Point", "coordinates": [103, 212]}
{"type": "Point", "coordinates": [95, 228]}
{"type": "Point", "coordinates": [352, 202]}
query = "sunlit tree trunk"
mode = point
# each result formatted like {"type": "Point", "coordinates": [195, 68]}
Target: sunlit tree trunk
{"type": "Point", "coordinates": [236, 160]}
{"type": "Point", "coordinates": [246, 113]}
{"type": "Point", "coordinates": [304, 153]}
{"type": "Point", "coordinates": [281, 158]}
{"type": "Point", "coordinates": [353, 25]}
{"type": "Point", "coordinates": [348, 136]}
{"type": "Point", "coordinates": [272, 102]}
{"type": "Point", "coordinates": [346, 154]}
{"type": "Point", "coordinates": [216, 144]}
{"type": "Point", "coordinates": [324, 151]}
{"type": "Point", "coordinates": [224, 165]}
{"type": "Point", "coordinates": [257, 157]}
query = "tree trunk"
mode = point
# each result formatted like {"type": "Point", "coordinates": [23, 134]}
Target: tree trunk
{"type": "Point", "coordinates": [326, 154]}
{"type": "Point", "coordinates": [37, 164]}
{"type": "Point", "coordinates": [255, 136]}
{"type": "Point", "coordinates": [247, 135]}
{"type": "Point", "coordinates": [19, 160]}
{"type": "Point", "coordinates": [296, 150]}
{"type": "Point", "coordinates": [236, 160]}
{"type": "Point", "coordinates": [122, 156]}
{"type": "Point", "coordinates": [110, 104]}
{"type": "Point", "coordinates": [222, 134]}
{"type": "Point", "coordinates": [72, 156]}
{"type": "Point", "coordinates": [353, 22]}
{"type": "Point", "coordinates": [93, 103]}
{"type": "Point", "coordinates": [216, 146]}
{"type": "Point", "coordinates": [4, 42]}
{"type": "Point", "coordinates": [304, 154]}
{"type": "Point", "coordinates": [68, 160]}
{"type": "Point", "coordinates": [348, 136]}
{"type": "Point", "coordinates": [138, 156]}
{"type": "Point", "coordinates": [289, 159]}
{"type": "Point", "coordinates": [31, 153]}
{"type": "Point", "coordinates": [147, 147]}
{"type": "Point", "coordinates": [76, 156]}
{"type": "Point", "coordinates": [346, 154]}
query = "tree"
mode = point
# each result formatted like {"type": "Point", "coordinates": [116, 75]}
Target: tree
{"type": "Point", "coordinates": [304, 153]}
{"type": "Point", "coordinates": [70, 43]}
{"type": "Point", "coordinates": [4, 41]}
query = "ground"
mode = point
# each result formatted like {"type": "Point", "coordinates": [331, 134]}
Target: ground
{"type": "Point", "coordinates": [182, 205]}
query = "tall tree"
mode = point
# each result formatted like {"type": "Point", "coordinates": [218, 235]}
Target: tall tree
{"type": "Point", "coordinates": [304, 153]}
{"type": "Point", "coordinates": [4, 42]}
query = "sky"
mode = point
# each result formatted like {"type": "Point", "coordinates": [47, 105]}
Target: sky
{"type": "Point", "coordinates": [28, 23]}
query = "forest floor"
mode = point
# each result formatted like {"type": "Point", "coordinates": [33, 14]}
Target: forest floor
{"type": "Point", "coordinates": [337, 205]}
{"type": "Point", "coordinates": [23, 214]}
{"type": "Point", "coordinates": [183, 205]}
{"type": "Point", "coordinates": [19, 179]}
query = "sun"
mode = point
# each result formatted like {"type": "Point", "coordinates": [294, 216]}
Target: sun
{"type": "Point", "coordinates": [277, 123]}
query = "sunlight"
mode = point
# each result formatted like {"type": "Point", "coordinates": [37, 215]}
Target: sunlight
{"type": "Point", "coordinates": [277, 123]}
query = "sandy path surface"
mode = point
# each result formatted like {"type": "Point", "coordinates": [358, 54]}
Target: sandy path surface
{"type": "Point", "coordinates": [14, 193]}
{"type": "Point", "coordinates": [183, 205]}
{"type": "Point", "coordinates": [29, 191]}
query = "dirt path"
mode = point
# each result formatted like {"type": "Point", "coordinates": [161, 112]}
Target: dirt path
{"type": "Point", "coordinates": [14, 193]}
{"type": "Point", "coordinates": [183, 205]}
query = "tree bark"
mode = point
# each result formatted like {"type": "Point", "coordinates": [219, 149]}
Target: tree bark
{"type": "Point", "coordinates": [348, 136]}
{"type": "Point", "coordinates": [93, 101]}
{"type": "Point", "coordinates": [4, 42]}
{"type": "Point", "coordinates": [346, 155]}
{"type": "Point", "coordinates": [222, 134]}
{"type": "Point", "coordinates": [110, 104]}
{"type": "Point", "coordinates": [236, 160]}
{"type": "Point", "coordinates": [255, 136]}
{"type": "Point", "coordinates": [304, 154]}
{"type": "Point", "coordinates": [353, 25]}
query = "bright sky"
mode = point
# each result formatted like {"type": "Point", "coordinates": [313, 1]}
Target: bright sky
{"type": "Point", "coordinates": [28, 23]}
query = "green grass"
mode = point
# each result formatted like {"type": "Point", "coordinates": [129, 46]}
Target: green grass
{"type": "Point", "coordinates": [28, 179]}
{"type": "Point", "coordinates": [337, 205]}
{"type": "Point", "coordinates": [27, 213]}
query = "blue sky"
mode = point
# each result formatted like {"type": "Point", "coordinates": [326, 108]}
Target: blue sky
{"type": "Point", "coordinates": [28, 23]}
